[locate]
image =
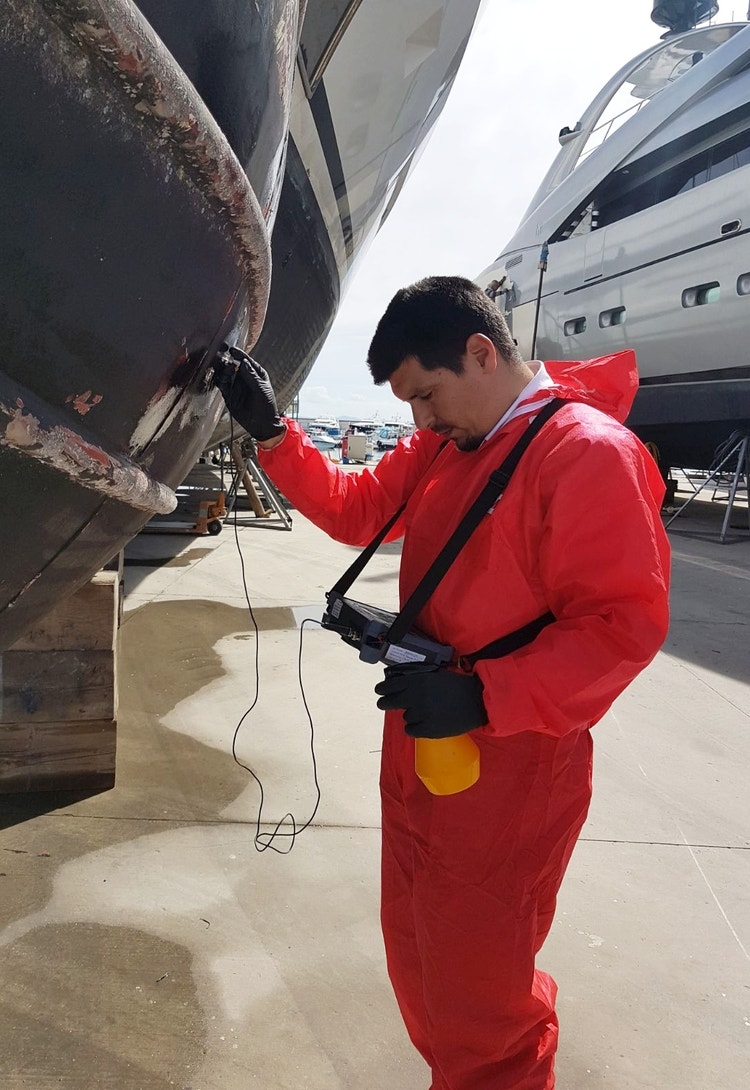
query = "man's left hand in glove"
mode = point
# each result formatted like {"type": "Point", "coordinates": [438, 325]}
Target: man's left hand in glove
{"type": "Point", "coordinates": [437, 703]}
{"type": "Point", "coordinates": [248, 394]}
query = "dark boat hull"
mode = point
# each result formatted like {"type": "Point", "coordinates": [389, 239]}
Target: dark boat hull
{"type": "Point", "coordinates": [687, 418]}
{"type": "Point", "coordinates": [148, 156]}
{"type": "Point", "coordinates": [132, 247]}
{"type": "Point", "coordinates": [210, 40]}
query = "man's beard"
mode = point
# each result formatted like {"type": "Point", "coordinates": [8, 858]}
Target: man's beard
{"type": "Point", "coordinates": [469, 443]}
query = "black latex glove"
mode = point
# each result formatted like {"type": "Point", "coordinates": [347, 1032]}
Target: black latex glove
{"type": "Point", "coordinates": [437, 703]}
{"type": "Point", "coordinates": [248, 393]}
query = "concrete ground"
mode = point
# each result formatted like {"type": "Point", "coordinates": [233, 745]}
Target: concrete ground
{"type": "Point", "coordinates": [148, 944]}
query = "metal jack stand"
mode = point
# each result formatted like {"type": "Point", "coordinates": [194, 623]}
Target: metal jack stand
{"type": "Point", "coordinates": [254, 479]}
{"type": "Point", "coordinates": [741, 449]}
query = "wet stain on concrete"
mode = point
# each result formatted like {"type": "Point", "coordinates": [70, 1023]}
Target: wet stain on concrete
{"type": "Point", "coordinates": [98, 1008]}
{"type": "Point", "coordinates": [180, 560]}
{"type": "Point", "coordinates": [167, 648]}
{"type": "Point", "coordinates": [168, 654]}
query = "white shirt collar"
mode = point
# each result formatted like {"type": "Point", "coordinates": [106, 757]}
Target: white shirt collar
{"type": "Point", "coordinates": [540, 381]}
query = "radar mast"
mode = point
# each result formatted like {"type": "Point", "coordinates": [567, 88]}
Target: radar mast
{"type": "Point", "coordinates": [681, 15]}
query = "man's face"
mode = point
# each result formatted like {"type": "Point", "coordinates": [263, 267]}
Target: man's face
{"type": "Point", "coordinates": [453, 405]}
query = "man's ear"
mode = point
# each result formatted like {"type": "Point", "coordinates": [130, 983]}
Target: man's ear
{"type": "Point", "coordinates": [483, 351]}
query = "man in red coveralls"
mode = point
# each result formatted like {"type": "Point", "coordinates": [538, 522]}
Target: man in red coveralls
{"type": "Point", "coordinates": [469, 881]}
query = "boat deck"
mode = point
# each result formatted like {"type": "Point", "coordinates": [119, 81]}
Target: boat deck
{"type": "Point", "coordinates": [147, 944]}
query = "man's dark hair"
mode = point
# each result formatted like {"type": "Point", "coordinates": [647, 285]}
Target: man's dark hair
{"type": "Point", "coordinates": [432, 320]}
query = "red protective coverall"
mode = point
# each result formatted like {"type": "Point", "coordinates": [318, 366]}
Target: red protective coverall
{"type": "Point", "coordinates": [469, 881]}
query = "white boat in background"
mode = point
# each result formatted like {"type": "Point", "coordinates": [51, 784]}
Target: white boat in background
{"type": "Point", "coordinates": [329, 425]}
{"type": "Point", "coordinates": [392, 430]}
{"type": "Point", "coordinates": [362, 427]}
{"type": "Point", "coordinates": [639, 237]}
{"type": "Point", "coordinates": [322, 440]}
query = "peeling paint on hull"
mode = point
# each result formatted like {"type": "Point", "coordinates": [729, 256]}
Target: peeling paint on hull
{"type": "Point", "coordinates": [69, 453]}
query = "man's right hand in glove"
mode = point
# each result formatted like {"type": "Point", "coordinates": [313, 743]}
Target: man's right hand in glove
{"type": "Point", "coordinates": [247, 391]}
{"type": "Point", "coordinates": [437, 702]}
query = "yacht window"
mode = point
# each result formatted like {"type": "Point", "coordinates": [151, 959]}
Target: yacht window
{"type": "Point", "coordinates": [608, 318]}
{"type": "Point", "coordinates": [723, 164]}
{"type": "Point", "coordinates": [694, 178]}
{"type": "Point", "coordinates": [325, 22]}
{"type": "Point", "coordinates": [743, 284]}
{"type": "Point", "coordinates": [575, 325]}
{"type": "Point", "coordinates": [658, 177]}
{"type": "Point", "coordinates": [701, 294]}
{"type": "Point", "coordinates": [628, 197]}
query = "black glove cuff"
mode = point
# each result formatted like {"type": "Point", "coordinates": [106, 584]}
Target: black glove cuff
{"type": "Point", "coordinates": [278, 427]}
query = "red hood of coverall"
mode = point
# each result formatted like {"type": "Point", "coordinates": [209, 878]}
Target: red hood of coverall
{"type": "Point", "coordinates": [608, 383]}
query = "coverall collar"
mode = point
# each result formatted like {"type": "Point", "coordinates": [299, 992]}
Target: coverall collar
{"type": "Point", "coordinates": [530, 393]}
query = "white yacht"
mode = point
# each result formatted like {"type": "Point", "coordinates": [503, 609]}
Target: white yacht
{"type": "Point", "coordinates": [638, 237]}
{"type": "Point", "coordinates": [322, 439]}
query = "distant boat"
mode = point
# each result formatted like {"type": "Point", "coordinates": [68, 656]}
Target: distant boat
{"type": "Point", "coordinates": [388, 436]}
{"type": "Point", "coordinates": [174, 178]}
{"type": "Point", "coordinates": [645, 213]}
{"type": "Point", "coordinates": [363, 427]}
{"type": "Point", "coordinates": [327, 424]}
{"type": "Point", "coordinates": [322, 440]}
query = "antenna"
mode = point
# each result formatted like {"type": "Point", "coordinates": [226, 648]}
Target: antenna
{"type": "Point", "coordinates": [681, 15]}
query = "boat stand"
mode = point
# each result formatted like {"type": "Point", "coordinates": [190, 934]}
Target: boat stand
{"type": "Point", "coordinates": [741, 450]}
{"type": "Point", "coordinates": [264, 498]}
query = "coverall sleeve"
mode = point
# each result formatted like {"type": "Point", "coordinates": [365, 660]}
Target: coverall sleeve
{"type": "Point", "coordinates": [350, 507]}
{"type": "Point", "coordinates": [603, 566]}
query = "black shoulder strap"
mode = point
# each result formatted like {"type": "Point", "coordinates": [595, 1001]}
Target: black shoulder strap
{"type": "Point", "coordinates": [520, 637]}
{"type": "Point", "coordinates": [496, 485]}
{"type": "Point", "coordinates": [351, 573]}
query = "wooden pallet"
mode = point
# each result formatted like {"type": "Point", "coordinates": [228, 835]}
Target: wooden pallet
{"type": "Point", "coordinates": [58, 695]}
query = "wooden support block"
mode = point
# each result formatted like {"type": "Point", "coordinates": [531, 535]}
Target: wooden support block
{"type": "Point", "coordinates": [57, 756]}
{"type": "Point", "coordinates": [116, 564]}
{"type": "Point", "coordinates": [57, 686]}
{"type": "Point", "coordinates": [58, 695]}
{"type": "Point", "coordinates": [85, 621]}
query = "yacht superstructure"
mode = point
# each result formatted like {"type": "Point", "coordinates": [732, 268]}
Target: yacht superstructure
{"type": "Point", "coordinates": [638, 237]}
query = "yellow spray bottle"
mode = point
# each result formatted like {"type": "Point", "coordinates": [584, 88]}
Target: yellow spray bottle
{"type": "Point", "coordinates": [447, 765]}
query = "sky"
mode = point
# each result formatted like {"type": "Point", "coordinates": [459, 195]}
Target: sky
{"type": "Point", "coordinates": [531, 66]}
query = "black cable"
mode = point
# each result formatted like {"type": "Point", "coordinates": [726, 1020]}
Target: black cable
{"type": "Point", "coordinates": [264, 840]}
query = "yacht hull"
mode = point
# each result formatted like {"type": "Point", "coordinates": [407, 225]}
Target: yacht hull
{"type": "Point", "coordinates": [133, 247]}
{"type": "Point", "coordinates": [151, 160]}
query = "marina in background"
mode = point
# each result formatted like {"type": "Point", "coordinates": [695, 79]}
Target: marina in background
{"type": "Point", "coordinates": [377, 436]}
